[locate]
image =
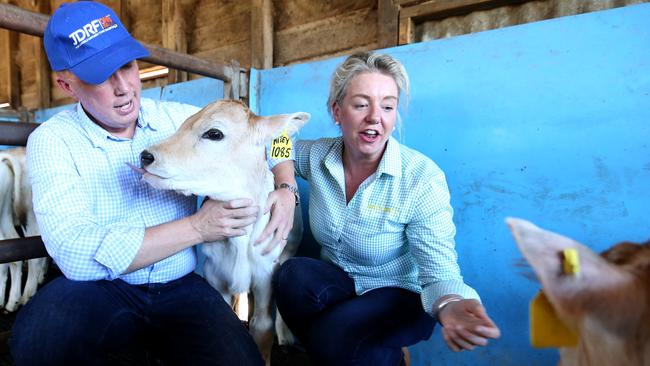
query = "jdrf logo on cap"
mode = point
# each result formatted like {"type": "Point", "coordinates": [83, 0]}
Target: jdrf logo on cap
{"type": "Point", "coordinates": [92, 30]}
{"type": "Point", "coordinates": [88, 39]}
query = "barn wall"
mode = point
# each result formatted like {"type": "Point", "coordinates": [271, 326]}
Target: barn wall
{"type": "Point", "coordinates": [550, 125]}
{"type": "Point", "coordinates": [547, 121]}
{"type": "Point", "coordinates": [306, 29]}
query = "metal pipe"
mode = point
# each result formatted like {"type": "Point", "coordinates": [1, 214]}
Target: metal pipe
{"type": "Point", "coordinates": [15, 133]}
{"type": "Point", "coordinates": [22, 249]}
{"type": "Point", "coordinates": [20, 20]}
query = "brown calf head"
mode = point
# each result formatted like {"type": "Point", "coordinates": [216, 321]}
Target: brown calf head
{"type": "Point", "coordinates": [607, 302]}
{"type": "Point", "coordinates": [218, 151]}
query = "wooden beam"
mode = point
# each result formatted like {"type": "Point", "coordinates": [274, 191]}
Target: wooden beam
{"type": "Point", "coordinates": [387, 24]}
{"type": "Point", "coordinates": [24, 21]}
{"type": "Point", "coordinates": [402, 3]}
{"type": "Point", "coordinates": [437, 9]}
{"type": "Point", "coordinates": [174, 34]}
{"type": "Point", "coordinates": [262, 34]}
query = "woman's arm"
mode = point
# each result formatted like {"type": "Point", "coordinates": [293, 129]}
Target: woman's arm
{"type": "Point", "coordinates": [445, 295]}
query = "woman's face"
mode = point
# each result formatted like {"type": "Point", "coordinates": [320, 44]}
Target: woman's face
{"type": "Point", "coordinates": [367, 115]}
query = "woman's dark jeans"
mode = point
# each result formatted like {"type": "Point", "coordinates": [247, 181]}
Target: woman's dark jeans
{"type": "Point", "coordinates": [318, 302]}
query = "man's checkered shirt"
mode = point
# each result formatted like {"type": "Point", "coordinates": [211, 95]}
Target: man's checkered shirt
{"type": "Point", "coordinates": [92, 209]}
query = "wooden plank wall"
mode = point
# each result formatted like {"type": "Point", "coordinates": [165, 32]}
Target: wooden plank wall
{"type": "Point", "coordinates": [270, 33]}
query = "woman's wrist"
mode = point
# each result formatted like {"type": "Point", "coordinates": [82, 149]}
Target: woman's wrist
{"type": "Point", "coordinates": [291, 188]}
{"type": "Point", "coordinates": [444, 301]}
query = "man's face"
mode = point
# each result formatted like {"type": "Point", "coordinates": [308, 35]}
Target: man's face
{"type": "Point", "coordinates": [113, 104]}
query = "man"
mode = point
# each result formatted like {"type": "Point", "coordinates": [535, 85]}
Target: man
{"type": "Point", "coordinates": [126, 250]}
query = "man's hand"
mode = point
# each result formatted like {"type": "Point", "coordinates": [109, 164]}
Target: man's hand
{"type": "Point", "coordinates": [466, 325]}
{"type": "Point", "coordinates": [282, 204]}
{"type": "Point", "coordinates": [218, 220]}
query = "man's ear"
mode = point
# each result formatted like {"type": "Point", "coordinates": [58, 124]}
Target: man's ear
{"type": "Point", "coordinates": [64, 83]}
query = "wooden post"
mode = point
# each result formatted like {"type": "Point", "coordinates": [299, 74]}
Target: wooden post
{"type": "Point", "coordinates": [262, 34]}
{"type": "Point", "coordinates": [10, 45]}
{"type": "Point", "coordinates": [387, 24]}
{"type": "Point", "coordinates": [406, 30]}
{"type": "Point", "coordinates": [42, 69]}
{"type": "Point", "coordinates": [174, 34]}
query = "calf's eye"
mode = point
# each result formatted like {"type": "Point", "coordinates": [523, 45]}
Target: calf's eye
{"type": "Point", "coordinates": [213, 134]}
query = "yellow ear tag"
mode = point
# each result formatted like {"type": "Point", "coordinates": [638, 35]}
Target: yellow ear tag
{"type": "Point", "coordinates": [571, 262]}
{"type": "Point", "coordinates": [546, 329]}
{"type": "Point", "coordinates": [281, 146]}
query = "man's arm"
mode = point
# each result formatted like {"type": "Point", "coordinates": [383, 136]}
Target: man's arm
{"type": "Point", "coordinates": [215, 220]}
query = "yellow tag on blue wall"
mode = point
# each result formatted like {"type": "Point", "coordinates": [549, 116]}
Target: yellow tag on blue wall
{"type": "Point", "coordinates": [281, 147]}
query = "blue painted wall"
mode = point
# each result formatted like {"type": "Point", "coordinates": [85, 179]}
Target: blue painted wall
{"type": "Point", "coordinates": [548, 121]}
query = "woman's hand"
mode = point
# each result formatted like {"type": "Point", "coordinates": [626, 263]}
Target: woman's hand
{"type": "Point", "coordinates": [282, 204]}
{"type": "Point", "coordinates": [466, 325]}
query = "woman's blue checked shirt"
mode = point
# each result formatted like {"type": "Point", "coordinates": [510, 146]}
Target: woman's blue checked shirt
{"type": "Point", "coordinates": [397, 231]}
{"type": "Point", "coordinates": [92, 209]}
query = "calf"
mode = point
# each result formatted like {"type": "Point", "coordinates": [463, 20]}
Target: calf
{"type": "Point", "coordinates": [220, 153]}
{"type": "Point", "coordinates": [16, 211]}
{"type": "Point", "coordinates": [607, 303]}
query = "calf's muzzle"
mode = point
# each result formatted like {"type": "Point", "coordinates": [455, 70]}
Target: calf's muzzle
{"type": "Point", "coordinates": [146, 158]}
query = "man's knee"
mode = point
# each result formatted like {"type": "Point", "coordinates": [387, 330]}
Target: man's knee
{"type": "Point", "coordinates": [63, 321]}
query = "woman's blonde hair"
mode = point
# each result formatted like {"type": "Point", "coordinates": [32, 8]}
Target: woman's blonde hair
{"type": "Point", "coordinates": [365, 62]}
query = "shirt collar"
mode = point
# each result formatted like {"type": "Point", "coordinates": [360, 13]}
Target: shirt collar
{"type": "Point", "coordinates": [391, 161]}
{"type": "Point", "coordinates": [144, 119]}
{"type": "Point", "coordinates": [100, 136]}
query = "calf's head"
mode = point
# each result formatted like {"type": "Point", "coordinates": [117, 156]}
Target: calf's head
{"type": "Point", "coordinates": [607, 303]}
{"type": "Point", "coordinates": [217, 152]}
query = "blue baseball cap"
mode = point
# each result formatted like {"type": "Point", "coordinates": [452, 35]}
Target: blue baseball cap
{"type": "Point", "coordinates": [88, 39]}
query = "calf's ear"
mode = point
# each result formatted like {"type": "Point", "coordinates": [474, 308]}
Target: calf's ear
{"type": "Point", "coordinates": [597, 289]}
{"type": "Point", "coordinates": [270, 127]}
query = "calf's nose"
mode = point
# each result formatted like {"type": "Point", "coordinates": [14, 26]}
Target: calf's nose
{"type": "Point", "coordinates": [146, 158]}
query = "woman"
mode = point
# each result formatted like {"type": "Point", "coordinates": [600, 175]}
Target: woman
{"type": "Point", "coordinates": [382, 215]}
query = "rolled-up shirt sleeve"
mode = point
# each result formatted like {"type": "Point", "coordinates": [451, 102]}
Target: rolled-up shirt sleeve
{"type": "Point", "coordinates": [302, 148]}
{"type": "Point", "coordinates": [81, 247]}
{"type": "Point", "coordinates": [431, 241]}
